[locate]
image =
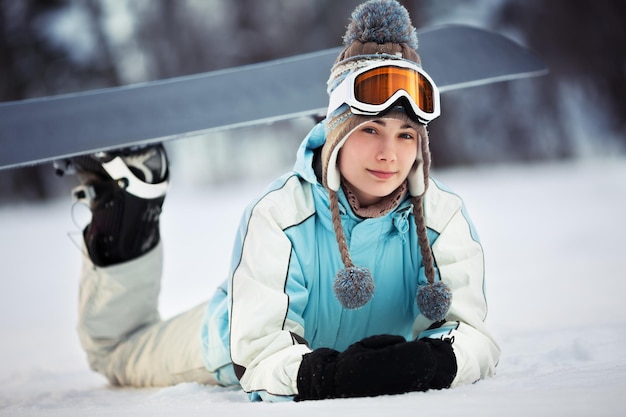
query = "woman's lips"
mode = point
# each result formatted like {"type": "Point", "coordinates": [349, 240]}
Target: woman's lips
{"type": "Point", "coordinates": [383, 175]}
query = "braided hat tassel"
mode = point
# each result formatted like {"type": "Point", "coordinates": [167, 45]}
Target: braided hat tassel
{"type": "Point", "coordinates": [434, 298]}
{"type": "Point", "coordinates": [354, 285]}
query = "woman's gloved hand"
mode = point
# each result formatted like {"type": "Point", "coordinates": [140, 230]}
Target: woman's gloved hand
{"type": "Point", "coordinates": [377, 365]}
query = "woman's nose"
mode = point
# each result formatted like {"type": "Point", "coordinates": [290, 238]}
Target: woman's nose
{"type": "Point", "coordinates": [386, 150]}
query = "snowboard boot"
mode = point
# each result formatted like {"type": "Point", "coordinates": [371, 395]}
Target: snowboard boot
{"type": "Point", "coordinates": [125, 191]}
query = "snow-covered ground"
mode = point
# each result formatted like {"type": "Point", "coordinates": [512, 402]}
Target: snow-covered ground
{"type": "Point", "coordinates": [555, 240]}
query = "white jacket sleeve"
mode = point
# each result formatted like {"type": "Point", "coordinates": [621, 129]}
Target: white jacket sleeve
{"type": "Point", "coordinates": [267, 341]}
{"type": "Point", "coordinates": [460, 262]}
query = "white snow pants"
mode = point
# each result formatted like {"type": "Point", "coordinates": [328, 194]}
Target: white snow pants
{"type": "Point", "coordinates": [121, 330]}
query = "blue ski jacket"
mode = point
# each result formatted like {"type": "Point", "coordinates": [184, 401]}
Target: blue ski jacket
{"type": "Point", "coordinates": [278, 303]}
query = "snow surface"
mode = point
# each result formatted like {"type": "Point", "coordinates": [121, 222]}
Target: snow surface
{"type": "Point", "coordinates": [554, 236]}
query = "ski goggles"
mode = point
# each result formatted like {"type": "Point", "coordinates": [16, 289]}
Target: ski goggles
{"type": "Point", "coordinates": [376, 88]}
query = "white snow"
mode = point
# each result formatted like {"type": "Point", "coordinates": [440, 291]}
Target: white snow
{"type": "Point", "coordinates": [554, 236]}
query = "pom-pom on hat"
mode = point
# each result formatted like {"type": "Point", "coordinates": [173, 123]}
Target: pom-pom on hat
{"type": "Point", "coordinates": [378, 30]}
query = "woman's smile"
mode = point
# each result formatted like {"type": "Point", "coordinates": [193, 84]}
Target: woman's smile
{"type": "Point", "coordinates": [383, 175]}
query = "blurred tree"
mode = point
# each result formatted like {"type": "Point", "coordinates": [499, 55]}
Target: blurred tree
{"type": "Point", "coordinates": [583, 44]}
{"type": "Point", "coordinates": [577, 109]}
{"type": "Point", "coordinates": [39, 56]}
{"type": "Point", "coordinates": [36, 63]}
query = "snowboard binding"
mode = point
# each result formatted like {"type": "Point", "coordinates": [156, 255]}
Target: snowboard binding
{"type": "Point", "coordinates": [124, 190]}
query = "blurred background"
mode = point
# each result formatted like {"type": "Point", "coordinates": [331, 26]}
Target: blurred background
{"type": "Point", "coordinates": [578, 110]}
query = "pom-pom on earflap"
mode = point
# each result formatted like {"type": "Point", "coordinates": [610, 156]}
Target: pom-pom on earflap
{"type": "Point", "coordinates": [354, 287]}
{"type": "Point", "coordinates": [381, 21]}
{"type": "Point", "coordinates": [434, 300]}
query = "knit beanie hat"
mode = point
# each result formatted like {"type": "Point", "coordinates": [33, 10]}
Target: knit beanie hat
{"type": "Point", "coordinates": [379, 30]}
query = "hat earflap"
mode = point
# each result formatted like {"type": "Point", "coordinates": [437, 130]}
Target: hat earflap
{"type": "Point", "coordinates": [333, 176]}
{"type": "Point", "coordinates": [415, 179]}
{"type": "Point", "coordinates": [354, 285]}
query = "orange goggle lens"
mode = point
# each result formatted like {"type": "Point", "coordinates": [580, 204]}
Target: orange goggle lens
{"type": "Point", "coordinates": [378, 85]}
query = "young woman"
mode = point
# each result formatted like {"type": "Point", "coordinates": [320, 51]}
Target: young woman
{"type": "Point", "coordinates": [356, 274]}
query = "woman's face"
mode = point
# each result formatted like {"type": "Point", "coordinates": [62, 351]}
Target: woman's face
{"type": "Point", "coordinates": [377, 157]}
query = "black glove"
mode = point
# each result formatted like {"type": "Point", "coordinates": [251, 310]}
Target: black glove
{"type": "Point", "coordinates": [377, 365]}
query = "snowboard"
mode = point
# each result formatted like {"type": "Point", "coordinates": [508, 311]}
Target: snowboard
{"type": "Point", "coordinates": [52, 128]}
